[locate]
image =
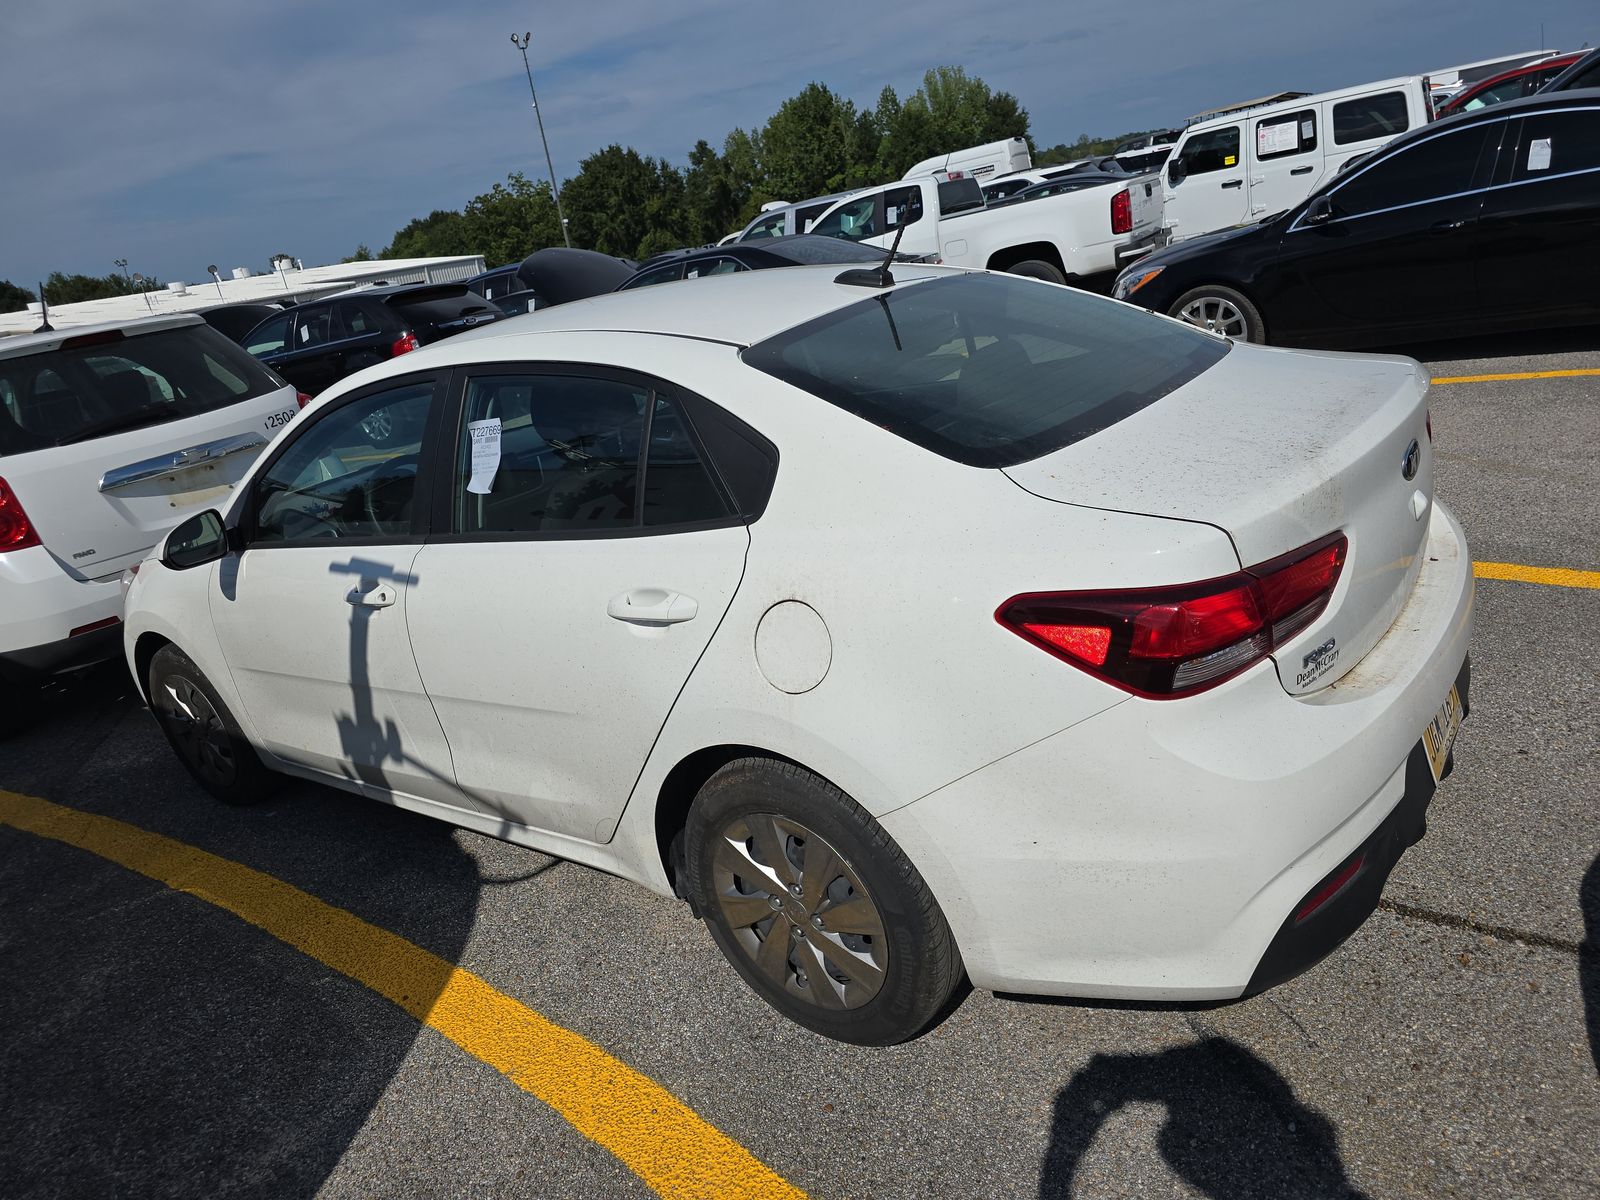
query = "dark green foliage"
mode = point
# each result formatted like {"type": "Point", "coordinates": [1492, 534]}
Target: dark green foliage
{"type": "Point", "coordinates": [69, 289]}
{"type": "Point", "coordinates": [623, 203]}
{"type": "Point", "coordinates": [14, 298]}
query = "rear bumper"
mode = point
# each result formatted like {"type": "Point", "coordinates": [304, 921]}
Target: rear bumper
{"type": "Point", "coordinates": [1156, 849]}
{"type": "Point", "coordinates": [1152, 241]}
{"type": "Point", "coordinates": [40, 606]}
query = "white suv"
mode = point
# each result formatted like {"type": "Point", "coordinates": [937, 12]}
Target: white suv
{"type": "Point", "coordinates": [109, 436]}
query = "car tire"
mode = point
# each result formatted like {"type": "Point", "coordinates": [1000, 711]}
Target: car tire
{"type": "Point", "coordinates": [203, 733]}
{"type": "Point", "coordinates": [1220, 310]}
{"type": "Point", "coordinates": [881, 969]}
{"type": "Point", "coordinates": [1035, 268]}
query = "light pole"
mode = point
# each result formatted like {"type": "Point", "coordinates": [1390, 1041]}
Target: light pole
{"type": "Point", "coordinates": [555, 190]}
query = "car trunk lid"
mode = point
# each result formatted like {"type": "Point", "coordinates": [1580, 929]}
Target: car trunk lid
{"type": "Point", "coordinates": [1279, 449]}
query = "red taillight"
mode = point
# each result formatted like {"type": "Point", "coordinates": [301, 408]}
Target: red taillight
{"type": "Point", "coordinates": [92, 626]}
{"type": "Point", "coordinates": [406, 343]}
{"type": "Point", "coordinates": [1330, 889]}
{"type": "Point", "coordinates": [1122, 212]}
{"type": "Point", "coordinates": [1176, 641]}
{"type": "Point", "coordinates": [302, 399]}
{"type": "Point", "coordinates": [16, 531]}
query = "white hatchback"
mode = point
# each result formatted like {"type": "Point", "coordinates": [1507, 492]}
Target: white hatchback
{"type": "Point", "coordinates": [951, 624]}
{"type": "Point", "coordinates": [109, 436]}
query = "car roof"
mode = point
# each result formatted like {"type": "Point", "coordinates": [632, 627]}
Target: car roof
{"type": "Point", "coordinates": [1538, 64]}
{"type": "Point", "coordinates": [1579, 97]}
{"type": "Point", "coordinates": [39, 343]}
{"type": "Point", "coordinates": [737, 309]}
{"type": "Point", "coordinates": [1581, 67]}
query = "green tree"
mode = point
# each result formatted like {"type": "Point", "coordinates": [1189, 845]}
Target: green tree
{"type": "Point", "coordinates": [70, 289]}
{"type": "Point", "coordinates": [806, 146]}
{"type": "Point", "coordinates": [712, 198]}
{"type": "Point", "coordinates": [440, 234]}
{"type": "Point", "coordinates": [511, 220]}
{"type": "Point", "coordinates": [362, 254]}
{"type": "Point", "coordinates": [14, 298]}
{"type": "Point", "coordinates": [619, 199]}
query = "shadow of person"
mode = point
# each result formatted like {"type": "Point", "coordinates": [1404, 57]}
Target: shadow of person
{"type": "Point", "coordinates": [1589, 956]}
{"type": "Point", "coordinates": [1233, 1126]}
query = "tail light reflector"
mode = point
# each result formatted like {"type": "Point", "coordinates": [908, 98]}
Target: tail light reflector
{"type": "Point", "coordinates": [405, 344]}
{"type": "Point", "coordinates": [1167, 642]}
{"type": "Point", "coordinates": [93, 625]}
{"type": "Point", "coordinates": [302, 399]}
{"type": "Point", "coordinates": [1330, 889]}
{"type": "Point", "coordinates": [16, 531]}
{"type": "Point", "coordinates": [1122, 212]}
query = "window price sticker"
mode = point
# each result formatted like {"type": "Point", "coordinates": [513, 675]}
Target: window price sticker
{"type": "Point", "coordinates": [485, 439]}
{"type": "Point", "coordinates": [1539, 154]}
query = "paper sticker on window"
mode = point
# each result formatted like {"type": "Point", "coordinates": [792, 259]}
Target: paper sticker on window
{"type": "Point", "coordinates": [1307, 130]}
{"type": "Point", "coordinates": [485, 439]}
{"type": "Point", "coordinates": [1278, 138]}
{"type": "Point", "coordinates": [891, 215]}
{"type": "Point", "coordinates": [1229, 160]}
{"type": "Point", "coordinates": [1539, 154]}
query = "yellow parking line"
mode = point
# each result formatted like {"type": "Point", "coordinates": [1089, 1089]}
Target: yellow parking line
{"type": "Point", "coordinates": [1519, 375]}
{"type": "Point", "coordinates": [1549, 576]}
{"type": "Point", "coordinates": [655, 1135]}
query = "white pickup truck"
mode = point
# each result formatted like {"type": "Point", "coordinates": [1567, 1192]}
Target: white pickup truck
{"type": "Point", "coordinates": [1056, 238]}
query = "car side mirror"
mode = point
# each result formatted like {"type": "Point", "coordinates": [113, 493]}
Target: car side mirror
{"type": "Point", "coordinates": [1319, 211]}
{"type": "Point", "coordinates": [201, 539]}
{"type": "Point", "coordinates": [1176, 173]}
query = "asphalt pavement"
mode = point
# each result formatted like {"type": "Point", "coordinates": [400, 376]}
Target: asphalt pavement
{"type": "Point", "coordinates": [155, 1044]}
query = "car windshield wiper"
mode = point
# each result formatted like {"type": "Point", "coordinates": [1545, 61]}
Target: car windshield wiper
{"type": "Point", "coordinates": [150, 414]}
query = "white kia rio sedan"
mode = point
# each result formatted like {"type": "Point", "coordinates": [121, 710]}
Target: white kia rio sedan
{"type": "Point", "coordinates": [964, 625]}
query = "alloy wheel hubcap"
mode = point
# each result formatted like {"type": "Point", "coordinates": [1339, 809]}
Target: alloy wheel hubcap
{"type": "Point", "coordinates": [197, 729]}
{"type": "Point", "coordinates": [1217, 315]}
{"type": "Point", "coordinates": [800, 912]}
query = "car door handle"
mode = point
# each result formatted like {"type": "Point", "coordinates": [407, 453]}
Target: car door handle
{"type": "Point", "coordinates": [1233, 183]}
{"type": "Point", "coordinates": [381, 596]}
{"type": "Point", "coordinates": [1301, 171]}
{"type": "Point", "coordinates": [652, 606]}
{"type": "Point", "coordinates": [1446, 226]}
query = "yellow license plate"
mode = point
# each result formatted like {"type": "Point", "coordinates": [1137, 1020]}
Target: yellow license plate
{"type": "Point", "coordinates": [1440, 734]}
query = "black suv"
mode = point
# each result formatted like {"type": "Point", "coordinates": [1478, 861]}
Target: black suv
{"type": "Point", "coordinates": [315, 345]}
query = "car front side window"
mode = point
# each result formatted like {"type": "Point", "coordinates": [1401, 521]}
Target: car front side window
{"type": "Point", "coordinates": [351, 473]}
{"type": "Point", "coordinates": [1423, 171]}
{"type": "Point", "coordinates": [1214, 150]}
{"type": "Point", "coordinates": [269, 337]}
{"type": "Point", "coordinates": [852, 221]}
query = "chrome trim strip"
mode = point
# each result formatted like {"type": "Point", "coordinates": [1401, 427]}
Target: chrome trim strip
{"type": "Point", "coordinates": [178, 460]}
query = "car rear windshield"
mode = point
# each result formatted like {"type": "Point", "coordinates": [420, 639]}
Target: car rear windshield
{"type": "Point", "coordinates": [434, 308]}
{"type": "Point", "coordinates": [109, 383]}
{"type": "Point", "coordinates": [989, 370]}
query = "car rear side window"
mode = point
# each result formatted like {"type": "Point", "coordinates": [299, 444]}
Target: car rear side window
{"type": "Point", "coordinates": [1368, 117]}
{"type": "Point", "coordinates": [988, 370]}
{"type": "Point", "coordinates": [106, 384]}
{"type": "Point", "coordinates": [1558, 143]}
{"type": "Point", "coordinates": [552, 453]}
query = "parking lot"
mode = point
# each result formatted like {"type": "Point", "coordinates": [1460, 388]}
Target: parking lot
{"type": "Point", "coordinates": [177, 1025]}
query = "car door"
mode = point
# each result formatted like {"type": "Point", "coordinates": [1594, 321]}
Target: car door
{"type": "Point", "coordinates": [1541, 222]}
{"type": "Point", "coordinates": [269, 342]}
{"type": "Point", "coordinates": [1286, 161]}
{"type": "Point", "coordinates": [311, 611]}
{"type": "Point", "coordinates": [1397, 252]}
{"type": "Point", "coordinates": [1205, 188]}
{"type": "Point", "coordinates": [592, 555]}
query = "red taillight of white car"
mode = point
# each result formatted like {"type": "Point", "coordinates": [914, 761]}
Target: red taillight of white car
{"type": "Point", "coordinates": [405, 344]}
{"type": "Point", "coordinates": [1122, 212]}
{"type": "Point", "coordinates": [16, 531]}
{"type": "Point", "coordinates": [302, 399]}
{"type": "Point", "coordinates": [1167, 642]}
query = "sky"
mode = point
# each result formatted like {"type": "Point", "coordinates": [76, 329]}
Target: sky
{"type": "Point", "coordinates": [177, 133]}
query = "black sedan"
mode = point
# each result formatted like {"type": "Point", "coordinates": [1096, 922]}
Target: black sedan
{"type": "Point", "coordinates": [802, 249]}
{"type": "Point", "coordinates": [1489, 220]}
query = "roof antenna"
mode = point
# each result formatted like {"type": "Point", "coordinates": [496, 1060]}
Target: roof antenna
{"type": "Point", "coordinates": [44, 314]}
{"type": "Point", "coordinates": [874, 277]}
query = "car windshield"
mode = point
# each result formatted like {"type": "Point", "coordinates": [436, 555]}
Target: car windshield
{"type": "Point", "coordinates": [107, 383]}
{"type": "Point", "coordinates": [988, 370]}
